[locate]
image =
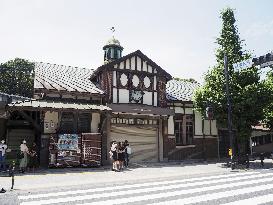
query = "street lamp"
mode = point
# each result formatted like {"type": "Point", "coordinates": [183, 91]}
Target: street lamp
{"type": "Point", "coordinates": [229, 112]}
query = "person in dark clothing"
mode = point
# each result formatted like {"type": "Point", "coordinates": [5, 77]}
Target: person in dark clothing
{"type": "Point", "coordinates": [121, 155]}
{"type": "Point", "coordinates": [127, 153]}
{"type": "Point", "coordinates": [33, 159]}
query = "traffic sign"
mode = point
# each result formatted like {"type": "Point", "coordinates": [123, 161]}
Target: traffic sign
{"type": "Point", "coordinates": [243, 64]}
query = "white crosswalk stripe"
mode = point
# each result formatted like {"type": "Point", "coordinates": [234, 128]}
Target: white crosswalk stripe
{"type": "Point", "coordinates": [182, 191]}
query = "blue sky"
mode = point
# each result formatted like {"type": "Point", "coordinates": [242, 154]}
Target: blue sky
{"type": "Point", "coordinates": [179, 35]}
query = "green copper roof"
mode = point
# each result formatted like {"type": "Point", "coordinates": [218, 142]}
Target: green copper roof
{"type": "Point", "coordinates": [113, 41]}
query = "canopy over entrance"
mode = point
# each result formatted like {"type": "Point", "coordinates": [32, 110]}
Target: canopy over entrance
{"type": "Point", "coordinates": [35, 105]}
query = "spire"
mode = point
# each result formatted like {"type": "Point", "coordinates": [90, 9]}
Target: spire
{"type": "Point", "coordinates": [112, 49]}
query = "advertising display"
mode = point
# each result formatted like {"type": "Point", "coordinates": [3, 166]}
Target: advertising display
{"type": "Point", "coordinates": [68, 152]}
{"type": "Point", "coordinates": [68, 142]}
{"type": "Point", "coordinates": [73, 150]}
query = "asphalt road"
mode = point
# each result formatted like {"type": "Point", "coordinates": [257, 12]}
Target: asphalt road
{"type": "Point", "coordinates": [156, 184]}
{"type": "Point", "coordinates": [238, 187]}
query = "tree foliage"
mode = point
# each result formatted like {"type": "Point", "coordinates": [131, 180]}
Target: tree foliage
{"type": "Point", "coordinates": [248, 94]}
{"type": "Point", "coordinates": [16, 77]}
{"type": "Point", "coordinates": [268, 110]}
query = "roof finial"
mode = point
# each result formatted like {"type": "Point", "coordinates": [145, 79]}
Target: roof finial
{"type": "Point", "coordinates": [113, 30]}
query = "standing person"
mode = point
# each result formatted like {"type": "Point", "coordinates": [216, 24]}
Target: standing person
{"type": "Point", "coordinates": [114, 156]}
{"type": "Point", "coordinates": [33, 159]}
{"type": "Point", "coordinates": [122, 155]}
{"type": "Point", "coordinates": [24, 152]}
{"type": "Point", "coordinates": [128, 151]}
{"type": "Point", "coordinates": [3, 148]}
{"type": "Point", "coordinates": [118, 156]}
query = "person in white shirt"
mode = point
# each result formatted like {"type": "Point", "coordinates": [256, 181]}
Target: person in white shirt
{"type": "Point", "coordinates": [24, 153]}
{"type": "Point", "coordinates": [3, 148]}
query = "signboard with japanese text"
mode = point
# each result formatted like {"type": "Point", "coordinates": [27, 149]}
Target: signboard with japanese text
{"type": "Point", "coordinates": [243, 64]}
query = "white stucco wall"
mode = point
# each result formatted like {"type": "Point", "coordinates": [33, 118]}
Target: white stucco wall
{"type": "Point", "coordinates": [155, 98]}
{"type": "Point", "coordinates": [115, 95]}
{"type": "Point", "coordinates": [123, 96]}
{"type": "Point", "coordinates": [207, 126]}
{"type": "Point", "coordinates": [179, 110]}
{"type": "Point", "coordinates": [170, 126]}
{"type": "Point", "coordinates": [121, 65]}
{"type": "Point", "coordinates": [128, 64]}
{"type": "Point", "coordinates": [133, 63]}
{"type": "Point", "coordinates": [50, 122]}
{"type": "Point", "coordinates": [144, 66]}
{"type": "Point", "coordinates": [150, 69]}
{"type": "Point", "coordinates": [198, 123]}
{"type": "Point", "coordinates": [148, 98]}
{"type": "Point", "coordinates": [95, 122]}
{"type": "Point", "coordinates": [114, 78]}
{"type": "Point", "coordinates": [188, 111]}
{"type": "Point", "coordinates": [138, 63]}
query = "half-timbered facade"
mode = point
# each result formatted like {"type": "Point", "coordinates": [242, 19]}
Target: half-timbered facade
{"type": "Point", "coordinates": [134, 89]}
{"type": "Point", "coordinates": [189, 136]}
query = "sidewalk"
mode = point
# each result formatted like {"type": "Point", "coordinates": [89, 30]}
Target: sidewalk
{"type": "Point", "coordinates": [50, 178]}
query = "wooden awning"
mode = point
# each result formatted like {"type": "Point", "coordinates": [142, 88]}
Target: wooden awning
{"type": "Point", "coordinates": [140, 110]}
{"type": "Point", "coordinates": [35, 105]}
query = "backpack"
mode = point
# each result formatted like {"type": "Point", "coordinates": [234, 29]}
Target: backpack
{"type": "Point", "coordinates": [129, 150]}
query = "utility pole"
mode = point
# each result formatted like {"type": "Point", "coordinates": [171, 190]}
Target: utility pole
{"type": "Point", "coordinates": [229, 111]}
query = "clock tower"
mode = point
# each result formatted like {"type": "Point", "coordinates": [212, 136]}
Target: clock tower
{"type": "Point", "coordinates": [112, 50]}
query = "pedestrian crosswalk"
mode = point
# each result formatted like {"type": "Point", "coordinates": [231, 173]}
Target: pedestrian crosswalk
{"type": "Point", "coordinates": [230, 188]}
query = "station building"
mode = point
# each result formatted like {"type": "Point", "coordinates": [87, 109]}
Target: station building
{"type": "Point", "coordinates": [77, 112]}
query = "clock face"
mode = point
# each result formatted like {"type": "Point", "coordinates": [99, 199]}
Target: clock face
{"type": "Point", "coordinates": [136, 96]}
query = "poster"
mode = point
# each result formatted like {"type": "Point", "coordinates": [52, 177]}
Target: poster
{"type": "Point", "coordinates": [68, 142]}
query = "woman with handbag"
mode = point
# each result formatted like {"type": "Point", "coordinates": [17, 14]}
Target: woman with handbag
{"type": "Point", "coordinates": [33, 159]}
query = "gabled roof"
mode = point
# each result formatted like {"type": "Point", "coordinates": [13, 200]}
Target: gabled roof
{"type": "Point", "coordinates": [64, 78]}
{"type": "Point", "coordinates": [178, 90]}
{"type": "Point", "coordinates": [139, 54]}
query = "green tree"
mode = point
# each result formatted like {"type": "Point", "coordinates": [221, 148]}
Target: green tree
{"type": "Point", "coordinates": [268, 110]}
{"type": "Point", "coordinates": [248, 94]}
{"type": "Point", "coordinates": [16, 77]}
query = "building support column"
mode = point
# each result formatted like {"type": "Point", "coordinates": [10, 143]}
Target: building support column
{"type": "Point", "coordinates": [160, 141]}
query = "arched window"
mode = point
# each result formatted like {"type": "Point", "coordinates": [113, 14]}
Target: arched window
{"type": "Point", "coordinates": [116, 54]}
{"type": "Point", "coordinates": [108, 53]}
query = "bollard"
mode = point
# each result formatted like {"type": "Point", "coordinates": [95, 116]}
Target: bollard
{"type": "Point", "coordinates": [262, 159]}
{"type": "Point", "coordinates": [12, 174]}
{"type": "Point", "coordinates": [247, 161]}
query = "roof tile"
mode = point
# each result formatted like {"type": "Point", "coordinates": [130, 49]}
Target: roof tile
{"type": "Point", "coordinates": [59, 77]}
{"type": "Point", "coordinates": [180, 90]}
